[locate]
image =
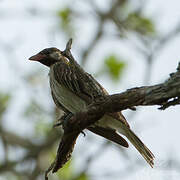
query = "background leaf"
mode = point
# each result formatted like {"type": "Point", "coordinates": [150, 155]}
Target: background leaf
{"type": "Point", "coordinates": [114, 66]}
{"type": "Point", "coordinates": [141, 24]}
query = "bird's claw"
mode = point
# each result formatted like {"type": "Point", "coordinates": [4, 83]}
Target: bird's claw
{"type": "Point", "coordinates": [57, 124]}
{"type": "Point", "coordinates": [63, 120]}
{"type": "Point", "coordinates": [83, 133]}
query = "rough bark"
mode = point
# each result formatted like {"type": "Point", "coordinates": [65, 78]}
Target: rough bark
{"type": "Point", "coordinates": [164, 95]}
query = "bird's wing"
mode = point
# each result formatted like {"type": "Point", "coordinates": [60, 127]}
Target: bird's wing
{"type": "Point", "coordinates": [58, 104]}
{"type": "Point", "coordinates": [82, 84]}
{"type": "Point", "coordinates": [109, 134]}
{"type": "Point", "coordinates": [67, 76]}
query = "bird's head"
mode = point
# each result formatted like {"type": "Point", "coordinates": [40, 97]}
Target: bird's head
{"type": "Point", "coordinates": [48, 56]}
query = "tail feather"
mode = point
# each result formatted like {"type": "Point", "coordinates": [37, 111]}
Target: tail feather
{"type": "Point", "coordinates": [140, 146]}
{"type": "Point", "coordinates": [109, 134]}
{"type": "Point", "coordinates": [122, 128]}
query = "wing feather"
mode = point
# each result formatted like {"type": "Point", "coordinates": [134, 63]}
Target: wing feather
{"type": "Point", "coordinates": [109, 134]}
{"type": "Point", "coordinates": [81, 84]}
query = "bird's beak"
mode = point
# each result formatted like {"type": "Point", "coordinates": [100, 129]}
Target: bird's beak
{"type": "Point", "coordinates": [37, 57]}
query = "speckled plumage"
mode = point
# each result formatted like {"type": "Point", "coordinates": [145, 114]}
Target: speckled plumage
{"type": "Point", "coordinates": [73, 89]}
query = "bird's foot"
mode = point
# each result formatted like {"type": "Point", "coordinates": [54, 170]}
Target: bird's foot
{"type": "Point", "coordinates": [63, 120]}
{"type": "Point", "coordinates": [83, 133]}
{"type": "Point", "coordinates": [57, 124]}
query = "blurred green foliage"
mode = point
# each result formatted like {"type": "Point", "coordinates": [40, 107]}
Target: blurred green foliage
{"type": "Point", "coordinates": [4, 102]}
{"type": "Point", "coordinates": [66, 173]}
{"type": "Point", "coordinates": [65, 17]}
{"type": "Point", "coordinates": [33, 109]}
{"type": "Point", "coordinates": [140, 24]}
{"type": "Point", "coordinates": [42, 128]}
{"type": "Point", "coordinates": [65, 14]}
{"type": "Point", "coordinates": [36, 112]}
{"type": "Point", "coordinates": [114, 66]}
{"type": "Point", "coordinates": [82, 176]}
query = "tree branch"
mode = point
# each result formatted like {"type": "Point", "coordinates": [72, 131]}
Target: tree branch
{"type": "Point", "coordinates": [165, 94]}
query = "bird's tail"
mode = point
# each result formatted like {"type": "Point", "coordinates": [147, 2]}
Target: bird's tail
{"type": "Point", "coordinates": [122, 128]}
{"type": "Point", "coordinates": [139, 145]}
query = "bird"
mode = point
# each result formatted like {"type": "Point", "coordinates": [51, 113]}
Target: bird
{"type": "Point", "coordinates": [73, 89]}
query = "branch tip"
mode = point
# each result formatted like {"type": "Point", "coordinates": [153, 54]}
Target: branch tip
{"type": "Point", "coordinates": [68, 45]}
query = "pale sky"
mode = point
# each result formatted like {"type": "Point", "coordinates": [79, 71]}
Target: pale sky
{"type": "Point", "coordinates": [160, 128]}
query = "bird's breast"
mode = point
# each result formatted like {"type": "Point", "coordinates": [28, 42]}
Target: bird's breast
{"type": "Point", "coordinates": [74, 104]}
{"type": "Point", "coordinates": [65, 97]}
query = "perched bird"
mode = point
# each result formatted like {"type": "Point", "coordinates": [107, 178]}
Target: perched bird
{"type": "Point", "coordinates": [73, 89]}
